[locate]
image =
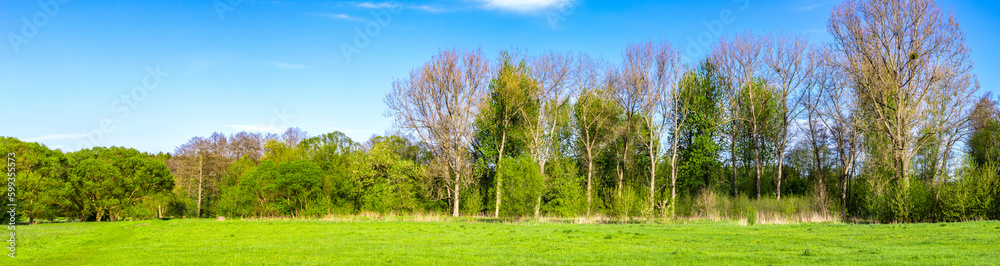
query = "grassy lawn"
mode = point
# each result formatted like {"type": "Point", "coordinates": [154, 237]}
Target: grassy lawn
{"type": "Point", "coordinates": [323, 242]}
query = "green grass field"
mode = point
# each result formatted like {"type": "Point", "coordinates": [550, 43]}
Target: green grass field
{"type": "Point", "coordinates": [377, 242]}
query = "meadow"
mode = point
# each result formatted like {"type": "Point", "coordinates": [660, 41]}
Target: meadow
{"type": "Point", "coordinates": [471, 241]}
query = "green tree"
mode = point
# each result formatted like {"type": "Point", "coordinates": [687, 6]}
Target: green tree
{"type": "Point", "coordinates": [984, 142]}
{"type": "Point", "coordinates": [335, 153]}
{"type": "Point", "coordinates": [386, 181]}
{"type": "Point", "coordinates": [523, 186]}
{"type": "Point", "coordinates": [759, 105]}
{"type": "Point", "coordinates": [107, 182]}
{"type": "Point", "coordinates": [297, 187]}
{"type": "Point", "coordinates": [504, 121]}
{"type": "Point", "coordinates": [596, 118]}
{"type": "Point", "coordinates": [39, 174]}
{"type": "Point", "coordinates": [701, 91]}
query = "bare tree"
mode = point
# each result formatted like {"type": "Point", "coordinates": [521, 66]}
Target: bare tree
{"type": "Point", "coordinates": [439, 103]}
{"type": "Point", "coordinates": [198, 166]}
{"type": "Point", "coordinates": [837, 111]}
{"type": "Point", "coordinates": [247, 144]}
{"type": "Point", "coordinates": [594, 116]}
{"type": "Point", "coordinates": [554, 73]}
{"type": "Point", "coordinates": [676, 109]}
{"type": "Point", "coordinates": [812, 97]}
{"type": "Point", "coordinates": [649, 77]}
{"type": "Point", "coordinates": [293, 136]}
{"type": "Point", "coordinates": [900, 55]}
{"type": "Point", "coordinates": [740, 59]}
{"type": "Point", "coordinates": [789, 67]}
{"type": "Point", "coordinates": [624, 82]}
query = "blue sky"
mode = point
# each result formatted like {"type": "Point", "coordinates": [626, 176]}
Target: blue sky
{"type": "Point", "coordinates": [190, 68]}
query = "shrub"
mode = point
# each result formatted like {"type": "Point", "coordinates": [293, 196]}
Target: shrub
{"type": "Point", "coordinates": [471, 201]}
{"type": "Point", "coordinates": [522, 185]}
{"type": "Point", "coordinates": [566, 196]}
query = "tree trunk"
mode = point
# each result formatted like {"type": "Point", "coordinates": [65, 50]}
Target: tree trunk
{"type": "Point", "coordinates": [201, 183]}
{"type": "Point", "coordinates": [621, 177]}
{"type": "Point", "coordinates": [672, 210]}
{"type": "Point", "coordinates": [454, 209]}
{"type": "Point", "coordinates": [652, 180]}
{"type": "Point", "coordinates": [843, 192]}
{"type": "Point", "coordinates": [538, 201]}
{"type": "Point", "coordinates": [621, 171]}
{"type": "Point", "coordinates": [499, 186]}
{"type": "Point", "coordinates": [778, 188]}
{"type": "Point", "coordinates": [732, 159]}
{"type": "Point", "coordinates": [820, 174]}
{"type": "Point", "coordinates": [780, 161]}
{"type": "Point", "coordinates": [756, 162]}
{"type": "Point", "coordinates": [590, 174]}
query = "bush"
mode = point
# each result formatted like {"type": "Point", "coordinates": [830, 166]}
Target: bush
{"type": "Point", "coordinates": [631, 203]}
{"type": "Point", "coordinates": [471, 201]}
{"type": "Point", "coordinates": [566, 196]}
{"type": "Point", "coordinates": [522, 185]}
{"type": "Point", "coordinates": [972, 197]}
{"type": "Point", "coordinates": [922, 201]}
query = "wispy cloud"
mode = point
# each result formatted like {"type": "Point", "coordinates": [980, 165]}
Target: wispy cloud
{"type": "Point", "coordinates": [202, 63]}
{"type": "Point", "coordinates": [810, 5]}
{"type": "Point", "coordinates": [525, 6]}
{"type": "Point", "coordinates": [376, 5]}
{"type": "Point", "coordinates": [381, 5]}
{"type": "Point", "coordinates": [56, 137]}
{"type": "Point", "coordinates": [341, 17]}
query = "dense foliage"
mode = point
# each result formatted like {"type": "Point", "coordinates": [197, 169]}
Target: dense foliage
{"type": "Point", "coordinates": [93, 184]}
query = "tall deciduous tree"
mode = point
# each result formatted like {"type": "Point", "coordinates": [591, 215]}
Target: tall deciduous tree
{"type": "Point", "coordinates": [503, 123]}
{"type": "Point", "coordinates": [595, 116]}
{"type": "Point", "coordinates": [648, 76]}
{"type": "Point", "coordinates": [739, 59]}
{"type": "Point", "coordinates": [439, 103]}
{"type": "Point", "coordinates": [836, 108]}
{"type": "Point", "coordinates": [902, 55]}
{"type": "Point", "coordinates": [695, 115]}
{"type": "Point", "coordinates": [558, 77]}
{"type": "Point", "coordinates": [198, 166]}
{"type": "Point", "coordinates": [816, 132]}
{"type": "Point", "coordinates": [984, 144]}
{"type": "Point", "coordinates": [790, 68]}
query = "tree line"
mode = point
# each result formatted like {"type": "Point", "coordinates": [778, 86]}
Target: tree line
{"type": "Point", "coordinates": [884, 123]}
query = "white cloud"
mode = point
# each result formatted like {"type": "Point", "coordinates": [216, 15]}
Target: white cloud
{"type": "Point", "coordinates": [56, 137]}
{"type": "Point", "coordinates": [376, 5]}
{"type": "Point", "coordinates": [342, 17]}
{"type": "Point", "coordinates": [381, 5]}
{"type": "Point", "coordinates": [525, 6]}
{"type": "Point", "coordinates": [810, 5]}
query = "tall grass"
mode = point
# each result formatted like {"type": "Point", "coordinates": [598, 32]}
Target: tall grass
{"type": "Point", "coordinates": [768, 210]}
